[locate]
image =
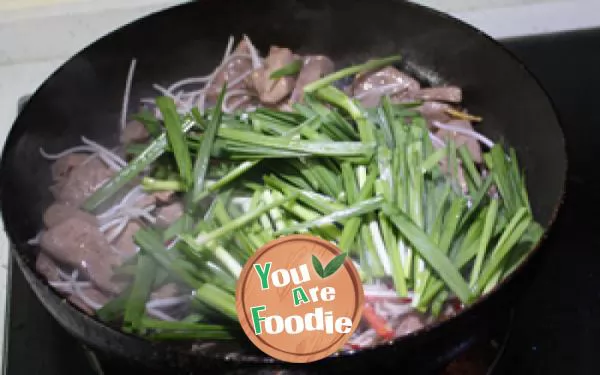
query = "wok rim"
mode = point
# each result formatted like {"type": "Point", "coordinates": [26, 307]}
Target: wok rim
{"type": "Point", "coordinates": [19, 127]}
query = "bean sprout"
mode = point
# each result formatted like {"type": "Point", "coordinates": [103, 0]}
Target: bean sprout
{"type": "Point", "coordinates": [163, 91]}
{"type": "Point", "coordinates": [167, 302]}
{"type": "Point", "coordinates": [437, 140]}
{"type": "Point", "coordinates": [470, 133]}
{"type": "Point", "coordinates": [127, 93]}
{"type": "Point", "coordinates": [160, 315]}
{"type": "Point", "coordinates": [122, 223]}
{"type": "Point", "coordinates": [35, 241]}
{"type": "Point", "coordinates": [79, 293]}
{"type": "Point", "coordinates": [68, 151]}
{"type": "Point", "coordinates": [228, 49]}
{"type": "Point", "coordinates": [109, 163]}
{"type": "Point", "coordinates": [103, 150]}
{"type": "Point", "coordinates": [390, 88]}
{"type": "Point", "coordinates": [67, 286]}
{"type": "Point", "coordinates": [256, 61]}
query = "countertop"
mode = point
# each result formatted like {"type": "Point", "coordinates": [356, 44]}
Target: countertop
{"type": "Point", "coordinates": [37, 36]}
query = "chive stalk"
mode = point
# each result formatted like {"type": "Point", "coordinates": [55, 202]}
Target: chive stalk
{"type": "Point", "coordinates": [484, 241]}
{"type": "Point", "coordinates": [203, 156]}
{"type": "Point", "coordinates": [176, 138]}
{"type": "Point", "coordinates": [369, 65]}
{"type": "Point", "coordinates": [153, 184]}
{"type": "Point", "coordinates": [430, 252]}
{"type": "Point", "coordinates": [154, 150]}
{"type": "Point", "coordinates": [140, 291]}
{"type": "Point", "coordinates": [217, 299]}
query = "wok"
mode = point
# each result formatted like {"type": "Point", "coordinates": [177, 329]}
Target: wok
{"type": "Point", "coordinates": [84, 97]}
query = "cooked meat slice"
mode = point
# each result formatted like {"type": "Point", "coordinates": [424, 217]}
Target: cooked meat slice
{"type": "Point", "coordinates": [370, 87]}
{"type": "Point", "coordinates": [124, 243]}
{"type": "Point", "coordinates": [434, 111]}
{"type": "Point", "coordinates": [47, 267]}
{"type": "Point", "coordinates": [82, 182]}
{"type": "Point", "coordinates": [167, 215]}
{"type": "Point", "coordinates": [134, 131]}
{"type": "Point", "coordinates": [64, 165]}
{"type": "Point", "coordinates": [410, 323]}
{"type": "Point", "coordinates": [164, 196]}
{"type": "Point", "coordinates": [471, 143]}
{"type": "Point", "coordinates": [240, 101]}
{"type": "Point", "coordinates": [272, 91]}
{"type": "Point", "coordinates": [430, 110]}
{"type": "Point", "coordinates": [91, 294]}
{"type": "Point", "coordinates": [232, 71]}
{"type": "Point", "coordinates": [313, 68]}
{"type": "Point", "coordinates": [81, 245]}
{"type": "Point", "coordinates": [59, 212]}
{"type": "Point", "coordinates": [166, 291]}
{"type": "Point", "coordinates": [146, 200]}
{"type": "Point", "coordinates": [450, 94]}
{"type": "Point", "coordinates": [285, 106]}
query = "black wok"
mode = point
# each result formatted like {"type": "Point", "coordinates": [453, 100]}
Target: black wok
{"type": "Point", "coordinates": [84, 98]}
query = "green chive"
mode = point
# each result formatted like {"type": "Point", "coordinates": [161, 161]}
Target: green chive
{"type": "Point", "coordinates": [369, 65]}
{"type": "Point", "coordinates": [132, 170]}
{"type": "Point", "coordinates": [290, 69]}
{"type": "Point", "coordinates": [203, 157]}
{"type": "Point", "coordinates": [152, 184]}
{"type": "Point", "coordinates": [484, 241]}
{"type": "Point", "coordinates": [176, 138]}
{"type": "Point", "coordinates": [430, 252]}
{"type": "Point", "coordinates": [217, 299]}
{"type": "Point", "coordinates": [355, 210]}
{"type": "Point", "coordinates": [142, 286]}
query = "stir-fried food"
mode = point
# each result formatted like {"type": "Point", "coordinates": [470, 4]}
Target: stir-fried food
{"type": "Point", "coordinates": [152, 234]}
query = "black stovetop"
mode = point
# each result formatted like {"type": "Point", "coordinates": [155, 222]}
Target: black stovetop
{"type": "Point", "coordinates": [556, 327]}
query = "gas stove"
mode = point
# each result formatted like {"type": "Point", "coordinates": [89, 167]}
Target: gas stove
{"type": "Point", "coordinates": [554, 329]}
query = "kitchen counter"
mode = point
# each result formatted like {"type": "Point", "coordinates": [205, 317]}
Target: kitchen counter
{"type": "Point", "coordinates": [37, 36]}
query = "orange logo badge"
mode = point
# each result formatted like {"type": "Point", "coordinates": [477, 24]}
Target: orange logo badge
{"type": "Point", "coordinates": [299, 299]}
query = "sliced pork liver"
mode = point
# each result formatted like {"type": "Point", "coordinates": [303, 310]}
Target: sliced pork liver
{"type": "Point", "coordinates": [124, 243]}
{"type": "Point", "coordinates": [59, 212]}
{"type": "Point", "coordinates": [313, 68]}
{"type": "Point", "coordinates": [64, 165]}
{"type": "Point", "coordinates": [82, 182]}
{"type": "Point", "coordinates": [81, 245]}
{"type": "Point", "coordinates": [167, 215]}
{"type": "Point", "coordinates": [47, 267]}
{"type": "Point", "coordinates": [451, 94]}
{"type": "Point", "coordinates": [434, 111]}
{"type": "Point", "coordinates": [134, 131]}
{"type": "Point", "coordinates": [164, 196]}
{"type": "Point", "coordinates": [272, 91]}
{"type": "Point", "coordinates": [389, 80]}
{"type": "Point", "coordinates": [232, 71]}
